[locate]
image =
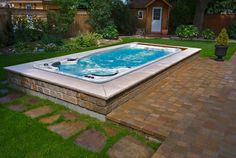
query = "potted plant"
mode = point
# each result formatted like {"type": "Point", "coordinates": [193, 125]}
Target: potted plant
{"type": "Point", "coordinates": [221, 45]}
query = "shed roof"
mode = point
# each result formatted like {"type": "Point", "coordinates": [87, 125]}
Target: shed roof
{"type": "Point", "coordinates": [144, 3]}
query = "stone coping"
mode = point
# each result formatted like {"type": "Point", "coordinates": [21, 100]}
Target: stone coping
{"type": "Point", "coordinates": [105, 90]}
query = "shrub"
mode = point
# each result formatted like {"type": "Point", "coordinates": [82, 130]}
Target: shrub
{"type": "Point", "coordinates": [24, 47]}
{"type": "Point", "coordinates": [232, 30]}
{"type": "Point", "coordinates": [110, 32]}
{"type": "Point", "coordinates": [222, 38]}
{"type": "Point", "coordinates": [27, 35]}
{"type": "Point", "coordinates": [208, 34]}
{"type": "Point", "coordinates": [49, 39]}
{"type": "Point", "coordinates": [100, 15]}
{"type": "Point", "coordinates": [123, 18]}
{"type": "Point", "coordinates": [187, 31]}
{"type": "Point", "coordinates": [82, 41]}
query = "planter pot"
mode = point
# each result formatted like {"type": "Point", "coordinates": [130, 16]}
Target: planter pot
{"type": "Point", "coordinates": [220, 52]}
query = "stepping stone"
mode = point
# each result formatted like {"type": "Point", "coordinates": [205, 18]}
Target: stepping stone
{"type": "Point", "coordinates": [50, 119]}
{"type": "Point", "coordinates": [4, 82]}
{"type": "Point", "coordinates": [34, 113]}
{"type": "Point", "coordinates": [91, 139]}
{"type": "Point", "coordinates": [128, 146]}
{"type": "Point", "coordinates": [9, 98]}
{"type": "Point", "coordinates": [69, 116]}
{"type": "Point", "coordinates": [67, 129]}
{"type": "Point", "coordinates": [32, 101]}
{"type": "Point", "coordinates": [110, 131]}
{"type": "Point", "coordinates": [17, 107]}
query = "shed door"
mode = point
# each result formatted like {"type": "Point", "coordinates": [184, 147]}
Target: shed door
{"type": "Point", "coordinates": [156, 19]}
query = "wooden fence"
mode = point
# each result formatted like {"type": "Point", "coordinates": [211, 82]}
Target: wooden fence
{"type": "Point", "coordinates": [80, 24]}
{"type": "Point", "coordinates": [218, 21]}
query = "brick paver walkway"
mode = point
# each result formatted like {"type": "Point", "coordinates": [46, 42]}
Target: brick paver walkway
{"type": "Point", "coordinates": [193, 110]}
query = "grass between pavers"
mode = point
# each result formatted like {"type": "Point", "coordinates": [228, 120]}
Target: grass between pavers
{"type": "Point", "coordinates": [21, 136]}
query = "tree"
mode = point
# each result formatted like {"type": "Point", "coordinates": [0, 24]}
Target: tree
{"type": "Point", "coordinates": [201, 6]}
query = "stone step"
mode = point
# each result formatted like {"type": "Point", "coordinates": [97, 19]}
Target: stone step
{"type": "Point", "coordinates": [40, 111]}
{"type": "Point", "coordinates": [9, 97]}
{"type": "Point", "coordinates": [50, 119]}
{"type": "Point", "coordinates": [17, 107]}
{"type": "Point", "coordinates": [129, 147]}
{"type": "Point", "coordinates": [67, 129]}
{"type": "Point", "coordinates": [92, 140]}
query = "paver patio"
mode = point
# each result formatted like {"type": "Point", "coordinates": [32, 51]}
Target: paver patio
{"type": "Point", "coordinates": [193, 110]}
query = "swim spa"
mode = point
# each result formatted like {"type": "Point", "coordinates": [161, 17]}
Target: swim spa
{"type": "Point", "coordinates": [104, 66]}
{"type": "Point", "coordinates": [95, 82]}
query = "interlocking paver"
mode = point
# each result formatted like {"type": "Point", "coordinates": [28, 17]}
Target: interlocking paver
{"type": "Point", "coordinates": [50, 119]}
{"type": "Point", "coordinates": [129, 147]}
{"type": "Point", "coordinates": [91, 139]}
{"type": "Point", "coordinates": [67, 129]}
{"type": "Point", "coordinates": [192, 110]}
{"type": "Point", "coordinates": [37, 112]}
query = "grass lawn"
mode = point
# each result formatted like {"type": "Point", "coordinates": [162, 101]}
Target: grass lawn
{"type": "Point", "coordinates": [21, 136]}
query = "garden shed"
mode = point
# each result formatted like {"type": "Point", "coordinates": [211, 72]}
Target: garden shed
{"type": "Point", "coordinates": [152, 16]}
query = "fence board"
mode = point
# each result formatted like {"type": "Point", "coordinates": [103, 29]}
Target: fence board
{"type": "Point", "coordinates": [218, 21]}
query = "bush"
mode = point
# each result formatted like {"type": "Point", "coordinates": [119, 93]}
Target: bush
{"type": "Point", "coordinates": [187, 31]}
{"type": "Point", "coordinates": [110, 32]}
{"type": "Point", "coordinates": [24, 47]}
{"type": "Point", "coordinates": [123, 18]}
{"type": "Point", "coordinates": [232, 30]}
{"type": "Point", "coordinates": [208, 34]}
{"type": "Point", "coordinates": [49, 39]}
{"type": "Point", "coordinates": [222, 38]}
{"type": "Point", "coordinates": [82, 41]}
{"type": "Point", "coordinates": [27, 35]}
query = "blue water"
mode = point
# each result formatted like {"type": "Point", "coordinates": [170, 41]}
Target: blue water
{"type": "Point", "coordinates": [112, 62]}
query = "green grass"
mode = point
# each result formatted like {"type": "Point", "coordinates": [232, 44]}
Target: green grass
{"type": "Point", "coordinates": [23, 137]}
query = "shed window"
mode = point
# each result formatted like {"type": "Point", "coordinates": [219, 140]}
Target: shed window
{"type": "Point", "coordinates": [140, 14]}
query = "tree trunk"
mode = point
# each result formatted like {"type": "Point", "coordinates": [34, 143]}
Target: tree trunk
{"type": "Point", "coordinates": [201, 6]}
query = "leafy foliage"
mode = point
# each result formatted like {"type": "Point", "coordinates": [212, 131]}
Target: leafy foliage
{"type": "Point", "coordinates": [49, 39]}
{"type": "Point", "coordinates": [232, 30]}
{"type": "Point", "coordinates": [110, 32]}
{"type": "Point", "coordinates": [82, 41]}
{"type": "Point", "coordinates": [187, 31]}
{"type": "Point", "coordinates": [222, 38]}
{"type": "Point", "coordinates": [182, 13]}
{"type": "Point", "coordinates": [100, 15]}
{"type": "Point", "coordinates": [208, 34]}
{"type": "Point", "coordinates": [219, 6]}
{"type": "Point", "coordinates": [123, 19]}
